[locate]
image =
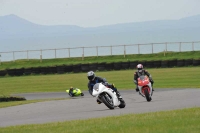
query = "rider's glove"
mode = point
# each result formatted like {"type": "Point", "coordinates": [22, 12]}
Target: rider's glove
{"type": "Point", "coordinates": [113, 85]}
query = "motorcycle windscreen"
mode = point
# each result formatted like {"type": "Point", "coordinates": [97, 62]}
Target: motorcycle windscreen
{"type": "Point", "coordinates": [96, 86]}
{"type": "Point", "coordinates": [143, 80]}
{"type": "Point", "coordinates": [96, 89]}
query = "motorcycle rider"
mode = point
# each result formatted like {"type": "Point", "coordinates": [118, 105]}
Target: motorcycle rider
{"type": "Point", "coordinates": [71, 89]}
{"type": "Point", "coordinates": [96, 79]}
{"type": "Point", "coordinates": [141, 71]}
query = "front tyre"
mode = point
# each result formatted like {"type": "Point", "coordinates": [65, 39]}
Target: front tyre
{"type": "Point", "coordinates": [82, 94]}
{"type": "Point", "coordinates": [108, 101]}
{"type": "Point", "coordinates": [147, 95]}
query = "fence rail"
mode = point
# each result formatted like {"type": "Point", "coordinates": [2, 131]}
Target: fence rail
{"type": "Point", "coordinates": [125, 49]}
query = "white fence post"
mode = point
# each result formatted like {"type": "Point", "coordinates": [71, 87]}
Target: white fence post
{"type": "Point", "coordinates": [55, 53]}
{"type": "Point", "coordinates": [138, 48]}
{"type": "Point", "coordinates": [40, 58]}
{"type": "Point", "coordinates": [41, 55]}
{"type": "Point", "coordinates": [69, 52]}
{"type": "Point", "coordinates": [192, 46]}
{"type": "Point", "coordinates": [13, 56]}
{"type": "Point", "coordinates": [111, 49]}
{"type": "Point", "coordinates": [83, 54]}
{"type": "Point", "coordinates": [27, 56]}
{"type": "Point", "coordinates": [97, 51]}
{"type": "Point", "coordinates": [124, 51]}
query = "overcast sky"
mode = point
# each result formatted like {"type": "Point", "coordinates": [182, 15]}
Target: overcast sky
{"type": "Point", "coordinates": [92, 13]}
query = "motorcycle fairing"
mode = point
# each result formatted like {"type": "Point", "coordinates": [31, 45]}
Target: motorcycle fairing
{"type": "Point", "coordinates": [100, 88]}
{"type": "Point", "coordinates": [144, 83]}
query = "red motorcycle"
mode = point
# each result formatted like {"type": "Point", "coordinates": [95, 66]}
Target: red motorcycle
{"type": "Point", "coordinates": [145, 88]}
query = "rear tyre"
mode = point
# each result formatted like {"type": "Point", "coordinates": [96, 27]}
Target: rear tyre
{"type": "Point", "coordinates": [108, 101]}
{"type": "Point", "coordinates": [122, 103]}
{"type": "Point", "coordinates": [146, 92]}
{"type": "Point", "coordinates": [82, 94]}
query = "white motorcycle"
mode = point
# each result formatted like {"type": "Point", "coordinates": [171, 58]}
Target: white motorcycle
{"type": "Point", "coordinates": [107, 96]}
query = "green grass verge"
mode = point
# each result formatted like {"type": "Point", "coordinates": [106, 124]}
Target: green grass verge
{"type": "Point", "coordinates": [177, 121]}
{"type": "Point", "coordinates": [115, 58]}
{"type": "Point", "coordinates": [15, 103]}
{"type": "Point", "coordinates": [187, 77]}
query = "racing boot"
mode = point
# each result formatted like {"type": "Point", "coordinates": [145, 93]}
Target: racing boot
{"type": "Point", "coordinates": [136, 89]}
{"type": "Point", "coordinates": [118, 95]}
{"type": "Point", "coordinates": [152, 88]}
{"type": "Point", "coordinates": [99, 102]}
{"type": "Point", "coordinates": [152, 84]}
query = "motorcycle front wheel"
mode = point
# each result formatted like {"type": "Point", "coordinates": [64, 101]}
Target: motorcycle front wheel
{"type": "Point", "coordinates": [108, 101]}
{"type": "Point", "coordinates": [147, 95]}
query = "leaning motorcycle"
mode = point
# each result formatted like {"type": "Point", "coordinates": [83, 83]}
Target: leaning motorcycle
{"type": "Point", "coordinates": [76, 92]}
{"type": "Point", "coordinates": [145, 88]}
{"type": "Point", "coordinates": [107, 96]}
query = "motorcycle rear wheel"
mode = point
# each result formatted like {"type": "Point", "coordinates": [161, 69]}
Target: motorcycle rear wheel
{"type": "Point", "coordinates": [122, 104]}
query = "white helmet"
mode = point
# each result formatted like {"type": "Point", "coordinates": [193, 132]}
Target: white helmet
{"type": "Point", "coordinates": [140, 68]}
{"type": "Point", "coordinates": [91, 75]}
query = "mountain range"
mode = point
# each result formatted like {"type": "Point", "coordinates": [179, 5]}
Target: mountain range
{"type": "Point", "coordinates": [18, 34]}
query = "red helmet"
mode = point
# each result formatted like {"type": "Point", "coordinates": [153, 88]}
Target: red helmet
{"type": "Point", "coordinates": [140, 67]}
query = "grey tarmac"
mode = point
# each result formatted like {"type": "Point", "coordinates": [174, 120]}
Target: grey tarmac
{"type": "Point", "coordinates": [79, 108]}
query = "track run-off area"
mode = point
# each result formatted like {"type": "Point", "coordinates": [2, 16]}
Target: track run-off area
{"type": "Point", "coordinates": [85, 107]}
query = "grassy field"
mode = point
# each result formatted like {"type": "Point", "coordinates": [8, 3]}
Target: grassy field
{"type": "Point", "coordinates": [185, 77]}
{"type": "Point", "coordinates": [184, 121]}
{"type": "Point", "coordinates": [115, 58]}
{"type": "Point", "coordinates": [177, 121]}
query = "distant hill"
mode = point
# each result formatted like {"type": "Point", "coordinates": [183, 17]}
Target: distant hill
{"type": "Point", "coordinates": [15, 31]}
{"type": "Point", "coordinates": [14, 25]}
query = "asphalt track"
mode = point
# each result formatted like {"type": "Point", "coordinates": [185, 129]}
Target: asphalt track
{"type": "Point", "coordinates": [86, 107]}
